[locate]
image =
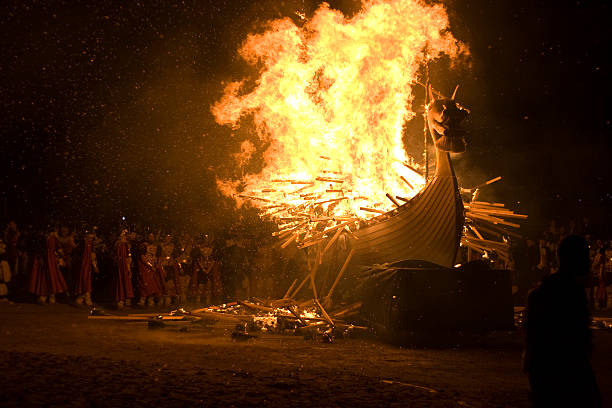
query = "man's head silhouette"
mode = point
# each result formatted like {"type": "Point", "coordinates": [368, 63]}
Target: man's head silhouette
{"type": "Point", "coordinates": [573, 255]}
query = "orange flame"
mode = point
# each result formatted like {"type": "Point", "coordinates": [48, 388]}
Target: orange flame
{"type": "Point", "coordinates": [330, 102]}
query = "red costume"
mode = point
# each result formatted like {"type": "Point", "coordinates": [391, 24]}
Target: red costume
{"type": "Point", "coordinates": [83, 280]}
{"type": "Point", "coordinates": [146, 281]}
{"type": "Point", "coordinates": [123, 279]}
{"type": "Point", "coordinates": [39, 284]}
{"type": "Point", "coordinates": [46, 279]}
{"type": "Point", "coordinates": [11, 238]}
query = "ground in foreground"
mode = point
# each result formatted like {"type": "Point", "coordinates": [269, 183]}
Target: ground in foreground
{"type": "Point", "coordinates": [55, 356]}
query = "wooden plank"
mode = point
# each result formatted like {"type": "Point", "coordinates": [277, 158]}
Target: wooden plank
{"type": "Point", "coordinates": [324, 313]}
{"type": "Point", "coordinates": [487, 211]}
{"type": "Point", "coordinates": [494, 220]}
{"type": "Point", "coordinates": [331, 241]}
{"type": "Point", "coordinates": [290, 289]}
{"type": "Point", "coordinates": [289, 241]}
{"type": "Point", "coordinates": [374, 210]}
{"type": "Point", "coordinates": [339, 276]}
{"type": "Point", "coordinates": [348, 309]}
{"type": "Point", "coordinates": [112, 317]}
{"type": "Point", "coordinates": [488, 203]}
{"type": "Point", "coordinates": [393, 200]}
{"type": "Point", "coordinates": [473, 228]}
{"type": "Point", "coordinates": [407, 182]}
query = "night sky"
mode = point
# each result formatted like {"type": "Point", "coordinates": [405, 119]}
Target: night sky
{"type": "Point", "coordinates": [105, 108]}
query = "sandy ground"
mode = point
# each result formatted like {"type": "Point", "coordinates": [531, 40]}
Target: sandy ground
{"type": "Point", "coordinates": [55, 356]}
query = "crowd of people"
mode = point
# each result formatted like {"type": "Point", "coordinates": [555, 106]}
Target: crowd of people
{"type": "Point", "coordinates": [135, 267]}
{"type": "Point", "coordinates": [535, 258]}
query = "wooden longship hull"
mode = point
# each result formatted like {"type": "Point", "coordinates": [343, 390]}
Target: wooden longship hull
{"type": "Point", "coordinates": [426, 228]}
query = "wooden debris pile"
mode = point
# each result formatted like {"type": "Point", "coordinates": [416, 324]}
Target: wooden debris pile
{"type": "Point", "coordinates": [489, 227]}
{"type": "Point", "coordinates": [308, 318]}
{"type": "Point", "coordinates": [312, 210]}
{"type": "Point", "coordinates": [286, 316]}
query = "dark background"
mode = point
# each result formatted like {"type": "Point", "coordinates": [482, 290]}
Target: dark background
{"type": "Point", "coordinates": [105, 107]}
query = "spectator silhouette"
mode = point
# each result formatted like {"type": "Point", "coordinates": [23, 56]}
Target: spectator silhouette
{"type": "Point", "coordinates": [558, 340]}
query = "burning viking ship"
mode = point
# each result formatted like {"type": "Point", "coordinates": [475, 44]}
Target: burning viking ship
{"type": "Point", "coordinates": [429, 226]}
{"type": "Point", "coordinates": [349, 205]}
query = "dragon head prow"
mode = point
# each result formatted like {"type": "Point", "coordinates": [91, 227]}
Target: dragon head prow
{"type": "Point", "coordinates": [444, 117]}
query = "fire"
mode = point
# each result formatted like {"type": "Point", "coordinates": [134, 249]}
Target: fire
{"type": "Point", "coordinates": [329, 103]}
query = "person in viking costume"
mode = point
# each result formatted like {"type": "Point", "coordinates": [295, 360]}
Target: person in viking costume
{"type": "Point", "coordinates": [148, 285]}
{"type": "Point", "coordinates": [88, 264]}
{"type": "Point", "coordinates": [123, 292]}
{"type": "Point", "coordinates": [46, 279]}
{"type": "Point", "coordinates": [171, 271]}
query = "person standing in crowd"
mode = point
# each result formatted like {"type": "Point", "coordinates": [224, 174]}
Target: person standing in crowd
{"type": "Point", "coordinates": [558, 341]}
{"type": "Point", "coordinates": [46, 279]}
{"type": "Point", "coordinates": [545, 255]}
{"type": "Point", "coordinates": [146, 282]}
{"type": "Point", "coordinates": [200, 270]}
{"type": "Point", "coordinates": [11, 240]}
{"type": "Point", "coordinates": [154, 255]}
{"type": "Point", "coordinates": [182, 251]}
{"type": "Point", "coordinates": [19, 282]}
{"type": "Point", "coordinates": [122, 278]}
{"type": "Point", "coordinates": [600, 268]}
{"type": "Point", "coordinates": [5, 272]}
{"type": "Point", "coordinates": [235, 265]}
{"type": "Point", "coordinates": [170, 271]}
{"type": "Point", "coordinates": [66, 242]}
{"type": "Point", "coordinates": [82, 288]}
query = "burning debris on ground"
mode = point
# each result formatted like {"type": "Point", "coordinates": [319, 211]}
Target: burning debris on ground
{"type": "Point", "coordinates": [308, 319]}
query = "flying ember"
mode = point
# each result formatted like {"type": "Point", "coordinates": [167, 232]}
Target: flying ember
{"type": "Point", "coordinates": [328, 104]}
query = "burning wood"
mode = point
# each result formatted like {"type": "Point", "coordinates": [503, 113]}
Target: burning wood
{"type": "Point", "coordinates": [332, 200]}
{"type": "Point", "coordinates": [289, 241]}
{"type": "Point", "coordinates": [412, 168]}
{"type": "Point", "coordinates": [393, 200]}
{"type": "Point", "coordinates": [329, 319]}
{"type": "Point", "coordinates": [332, 241]}
{"type": "Point", "coordinates": [302, 188]}
{"type": "Point", "coordinates": [313, 242]}
{"type": "Point", "coordinates": [374, 210]}
{"type": "Point", "coordinates": [329, 180]}
{"type": "Point", "coordinates": [407, 182]}
{"type": "Point", "coordinates": [254, 198]}
{"type": "Point", "coordinates": [486, 183]}
{"type": "Point", "coordinates": [473, 228]}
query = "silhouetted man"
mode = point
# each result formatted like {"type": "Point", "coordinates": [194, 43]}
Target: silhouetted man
{"type": "Point", "coordinates": [558, 339]}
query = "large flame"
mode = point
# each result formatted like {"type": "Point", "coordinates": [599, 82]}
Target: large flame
{"type": "Point", "coordinates": [330, 103]}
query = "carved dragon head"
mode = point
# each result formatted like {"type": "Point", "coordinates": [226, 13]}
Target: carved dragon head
{"type": "Point", "coordinates": [444, 117]}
